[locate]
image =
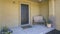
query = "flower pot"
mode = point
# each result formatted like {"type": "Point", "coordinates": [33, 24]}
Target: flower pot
{"type": "Point", "coordinates": [49, 25]}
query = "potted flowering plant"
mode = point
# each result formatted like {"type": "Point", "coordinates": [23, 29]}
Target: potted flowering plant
{"type": "Point", "coordinates": [49, 23]}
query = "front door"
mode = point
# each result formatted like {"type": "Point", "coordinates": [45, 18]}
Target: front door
{"type": "Point", "coordinates": [24, 14]}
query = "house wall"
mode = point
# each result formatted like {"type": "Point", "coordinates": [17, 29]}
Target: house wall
{"type": "Point", "coordinates": [44, 9]}
{"type": "Point", "coordinates": [54, 10]}
{"type": "Point", "coordinates": [11, 12]}
{"type": "Point", "coordinates": [1, 13]}
{"type": "Point", "coordinates": [50, 8]}
{"type": "Point", "coordinates": [57, 14]}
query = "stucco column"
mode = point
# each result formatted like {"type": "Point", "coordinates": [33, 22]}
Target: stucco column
{"type": "Point", "coordinates": [52, 12]}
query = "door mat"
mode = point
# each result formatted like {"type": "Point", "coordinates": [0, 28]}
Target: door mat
{"type": "Point", "coordinates": [25, 27]}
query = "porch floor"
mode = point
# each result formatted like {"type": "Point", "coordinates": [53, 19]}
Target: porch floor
{"type": "Point", "coordinates": [35, 29]}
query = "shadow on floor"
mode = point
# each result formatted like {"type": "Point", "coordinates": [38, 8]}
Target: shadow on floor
{"type": "Point", "coordinates": [54, 32]}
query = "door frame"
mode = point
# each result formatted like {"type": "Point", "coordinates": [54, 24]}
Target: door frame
{"type": "Point", "coordinates": [29, 13]}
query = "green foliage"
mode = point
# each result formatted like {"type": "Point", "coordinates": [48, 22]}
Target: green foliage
{"type": "Point", "coordinates": [49, 21]}
{"type": "Point", "coordinates": [5, 30]}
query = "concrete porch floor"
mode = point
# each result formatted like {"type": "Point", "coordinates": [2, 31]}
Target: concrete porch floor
{"type": "Point", "coordinates": [35, 29]}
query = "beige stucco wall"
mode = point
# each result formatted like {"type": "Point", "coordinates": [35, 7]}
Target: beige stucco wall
{"type": "Point", "coordinates": [54, 9]}
{"type": "Point", "coordinates": [0, 13]}
{"type": "Point", "coordinates": [11, 12]}
{"type": "Point", "coordinates": [52, 16]}
{"type": "Point", "coordinates": [57, 14]}
{"type": "Point", "coordinates": [51, 7]}
{"type": "Point", "coordinates": [44, 9]}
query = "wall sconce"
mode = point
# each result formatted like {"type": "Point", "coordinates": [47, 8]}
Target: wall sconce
{"type": "Point", "coordinates": [41, 0]}
{"type": "Point", "coordinates": [13, 2]}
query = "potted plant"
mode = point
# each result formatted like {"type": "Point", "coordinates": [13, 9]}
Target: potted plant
{"type": "Point", "coordinates": [5, 30]}
{"type": "Point", "coordinates": [49, 23]}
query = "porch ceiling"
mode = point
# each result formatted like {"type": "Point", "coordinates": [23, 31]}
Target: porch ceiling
{"type": "Point", "coordinates": [38, 0]}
